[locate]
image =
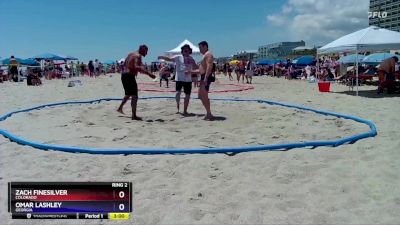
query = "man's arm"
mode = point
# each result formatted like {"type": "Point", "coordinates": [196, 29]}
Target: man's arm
{"type": "Point", "coordinates": [144, 71]}
{"type": "Point", "coordinates": [196, 71]}
{"type": "Point", "coordinates": [139, 67]}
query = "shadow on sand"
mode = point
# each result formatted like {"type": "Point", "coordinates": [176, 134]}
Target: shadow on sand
{"type": "Point", "coordinates": [219, 118]}
{"type": "Point", "coordinates": [215, 118]}
{"type": "Point", "coordinates": [369, 94]}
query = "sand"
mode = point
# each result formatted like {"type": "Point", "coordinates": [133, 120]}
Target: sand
{"type": "Point", "coordinates": [350, 184]}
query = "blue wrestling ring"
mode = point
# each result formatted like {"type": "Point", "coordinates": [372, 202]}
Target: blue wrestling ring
{"type": "Point", "coordinates": [232, 150]}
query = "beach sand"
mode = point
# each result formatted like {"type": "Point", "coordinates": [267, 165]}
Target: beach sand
{"type": "Point", "coordinates": [350, 184]}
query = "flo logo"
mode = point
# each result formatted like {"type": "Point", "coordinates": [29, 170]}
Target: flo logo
{"type": "Point", "coordinates": [372, 15]}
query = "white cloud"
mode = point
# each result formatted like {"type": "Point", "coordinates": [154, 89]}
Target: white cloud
{"type": "Point", "coordinates": [276, 20]}
{"type": "Point", "coordinates": [321, 21]}
{"type": "Point", "coordinates": [286, 9]}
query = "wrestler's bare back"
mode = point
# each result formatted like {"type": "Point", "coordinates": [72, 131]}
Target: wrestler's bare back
{"type": "Point", "coordinates": [133, 60]}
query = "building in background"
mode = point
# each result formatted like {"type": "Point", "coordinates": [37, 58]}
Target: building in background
{"type": "Point", "coordinates": [278, 50]}
{"type": "Point", "coordinates": [246, 55]}
{"type": "Point", "coordinates": [385, 14]}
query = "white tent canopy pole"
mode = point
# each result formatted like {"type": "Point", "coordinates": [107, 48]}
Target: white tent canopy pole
{"type": "Point", "coordinates": [356, 72]}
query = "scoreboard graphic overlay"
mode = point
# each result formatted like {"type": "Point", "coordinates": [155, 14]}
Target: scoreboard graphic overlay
{"type": "Point", "coordinates": [70, 200]}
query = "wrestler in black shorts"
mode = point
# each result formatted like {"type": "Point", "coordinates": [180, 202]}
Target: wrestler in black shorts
{"type": "Point", "coordinates": [187, 87]}
{"type": "Point", "coordinates": [208, 82]}
{"type": "Point", "coordinates": [129, 83]}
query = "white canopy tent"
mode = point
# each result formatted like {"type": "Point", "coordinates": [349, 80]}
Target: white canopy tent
{"type": "Point", "coordinates": [369, 39]}
{"type": "Point", "coordinates": [177, 50]}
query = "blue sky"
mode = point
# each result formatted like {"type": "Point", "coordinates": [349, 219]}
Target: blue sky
{"type": "Point", "coordinates": [107, 29]}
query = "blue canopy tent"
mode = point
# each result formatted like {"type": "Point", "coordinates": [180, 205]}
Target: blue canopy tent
{"type": "Point", "coordinates": [29, 62]}
{"type": "Point", "coordinates": [377, 58]}
{"type": "Point", "coordinates": [351, 59]}
{"type": "Point", "coordinates": [304, 61]}
{"type": "Point", "coordinates": [48, 56]}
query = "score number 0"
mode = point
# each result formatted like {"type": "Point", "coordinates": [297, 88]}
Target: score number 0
{"type": "Point", "coordinates": [121, 206]}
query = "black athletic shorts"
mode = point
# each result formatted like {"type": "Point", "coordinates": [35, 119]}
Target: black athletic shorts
{"type": "Point", "coordinates": [187, 87]}
{"type": "Point", "coordinates": [129, 83]}
{"type": "Point", "coordinates": [14, 70]}
{"type": "Point", "coordinates": [389, 76]}
{"type": "Point", "coordinates": [208, 82]}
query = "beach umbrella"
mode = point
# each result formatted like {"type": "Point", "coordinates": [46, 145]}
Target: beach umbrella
{"type": "Point", "coordinates": [263, 62]}
{"type": "Point", "coordinates": [304, 60]}
{"type": "Point", "coordinates": [48, 56]}
{"type": "Point", "coordinates": [109, 62]}
{"type": "Point", "coordinates": [29, 62]}
{"type": "Point", "coordinates": [234, 62]}
{"type": "Point", "coordinates": [377, 58]}
{"type": "Point", "coordinates": [71, 58]}
{"type": "Point", "coordinates": [266, 62]}
{"type": "Point", "coordinates": [351, 59]}
{"type": "Point", "coordinates": [275, 61]}
{"type": "Point", "coordinates": [271, 61]}
{"type": "Point", "coordinates": [67, 57]}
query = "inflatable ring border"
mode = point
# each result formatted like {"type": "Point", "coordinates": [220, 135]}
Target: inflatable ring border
{"type": "Point", "coordinates": [244, 88]}
{"type": "Point", "coordinates": [232, 150]}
